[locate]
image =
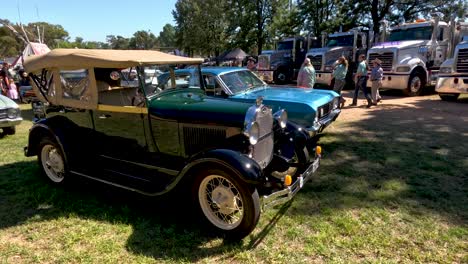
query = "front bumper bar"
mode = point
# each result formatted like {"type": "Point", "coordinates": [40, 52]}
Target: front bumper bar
{"type": "Point", "coordinates": [319, 126]}
{"type": "Point", "coordinates": [283, 196]}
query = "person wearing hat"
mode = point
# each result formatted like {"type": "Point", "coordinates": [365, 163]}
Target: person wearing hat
{"type": "Point", "coordinates": [306, 76]}
{"type": "Point", "coordinates": [376, 79]}
{"type": "Point", "coordinates": [251, 64]}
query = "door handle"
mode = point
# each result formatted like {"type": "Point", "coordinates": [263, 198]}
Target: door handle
{"type": "Point", "coordinates": [104, 116]}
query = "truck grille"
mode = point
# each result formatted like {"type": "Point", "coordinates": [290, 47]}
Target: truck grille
{"type": "Point", "coordinates": [462, 60]}
{"type": "Point", "coordinates": [197, 139]}
{"type": "Point", "coordinates": [263, 62]}
{"type": "Point", "coordinates": [316, 62]}
{"type": "Point", "coordinates": [262, 152]}
{"type": "Point", "coordinates": [324, 110]}
{"type": "Point", "coordinates": [386, 58]}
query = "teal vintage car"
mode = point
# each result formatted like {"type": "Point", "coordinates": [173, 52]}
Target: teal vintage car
{"type": "Point", "coordinates": [10, 115]}
{"type": "Point", "coordinates": [104, 117]}
{"type": "Point", "coordinates": [312, 109]}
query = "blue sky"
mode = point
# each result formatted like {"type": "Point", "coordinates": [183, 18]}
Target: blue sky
{"type": "Point", "coordinates": [93, 20]}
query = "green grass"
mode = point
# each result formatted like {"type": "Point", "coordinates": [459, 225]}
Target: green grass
{"type": "Point", "coordinates": [392, 187]}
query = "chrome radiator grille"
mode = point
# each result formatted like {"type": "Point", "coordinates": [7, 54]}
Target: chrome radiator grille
{"type": "Point", "coordinates": [263, 62]}
{"type": "Point", "coordinates": [263, 151]}
{"type": "Point", "coordinates": [324, 110]}
{"type": "Point", "coordinates": [316, 62]}
{"type": "Point", "coordinates": [462, 60]}
{"type": "Point", "coordinates": [386, 58]}
{"type": "Point", "coordinates": [3, 113]}
{"type": "Point", "coordinates": [198, 138]}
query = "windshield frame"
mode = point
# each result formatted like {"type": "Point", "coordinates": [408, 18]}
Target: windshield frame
{"type": "Point", "coordinates": [428, 30]}
{"type": "Point", "coordinates": [340, 44]}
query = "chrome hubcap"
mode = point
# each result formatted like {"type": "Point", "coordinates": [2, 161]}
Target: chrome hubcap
{"type": "Point", "coordinates": [53, 164]}
{"type": "Point", "coordinates": [221, 202]}
{"type": "Point", "coordinates": [415, 84]}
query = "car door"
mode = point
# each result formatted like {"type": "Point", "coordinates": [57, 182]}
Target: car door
{"type": "Point", "coordinates": [121, 129]}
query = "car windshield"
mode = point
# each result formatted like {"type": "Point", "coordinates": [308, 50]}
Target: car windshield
{"type": "Point", "coordinates": [285, 45]}
{"type": "Point", "coordinates": [417, 33]}
{"type": "Point", "coordinates": [340, 41]}
{"type": "Point", "coordinates": [160, 78]}
{"type": "Point", "coordinates": [240, 81]}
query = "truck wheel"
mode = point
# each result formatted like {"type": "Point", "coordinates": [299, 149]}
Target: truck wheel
{"type": "Point", "coordinates": [449, 97]}
{"type": "Point", "coordinates": [226, 203]}
{"type": "Point", "coordinates": [416, 84]}
{"type": "Point", "coordinates": [281, 77]}
{"type": "Point", "coordinates": [9, 130]}
{"type": "Point", "coordinates": [52, 161]}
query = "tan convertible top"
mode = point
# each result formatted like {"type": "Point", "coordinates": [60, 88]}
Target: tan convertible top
{"type": "Point", "coordinates": [102, 58]}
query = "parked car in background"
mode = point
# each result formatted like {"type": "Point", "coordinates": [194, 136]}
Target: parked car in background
{"type": "Point", "coordinates": [230, 158]}
{"type": "Point", "coordinates": [312, 109]}
{"type": "Point", "coordinates": [10, 115]}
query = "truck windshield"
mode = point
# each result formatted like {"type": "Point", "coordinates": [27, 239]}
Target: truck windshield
{"type": "Point", "coordinates": [340, 41]}
{"type": "Point", "coordinates": [417, 33]}
{"type": "Point", "coordinates": [285, 45]}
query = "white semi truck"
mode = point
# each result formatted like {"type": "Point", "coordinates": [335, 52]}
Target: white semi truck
{"type": "Point", "coordinates": [453, 75]}
{"type": "Point", "coordinates": [412, 54]}
{"type": "Point", "coordinates": [349, 44]}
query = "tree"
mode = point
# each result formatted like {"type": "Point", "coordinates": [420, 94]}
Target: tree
{"type": "Point", "coordinates": [142, 40]}
{"type": "Point", "coordinates": [117, 42]}
{"type": "Point", "coordinates": [167, 37]}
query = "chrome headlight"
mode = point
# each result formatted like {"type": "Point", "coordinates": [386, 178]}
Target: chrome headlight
{"type": "Point", "coordinates": [445, 70]}
{"type": "Point", "coordinates": [13, 112]}
{"type": "Point", "coordinates": [252, 131]}
{"type": "Point", "coordinates": [282, 117]}
{"type": "Point", "coordinates": [336, 102]}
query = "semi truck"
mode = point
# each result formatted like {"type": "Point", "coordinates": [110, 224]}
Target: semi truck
{"type": "Point", "coordinates": [349, 44]}
{"type": "Point", "coordinates": [453, 75]}
{"type": "Point", "coordinates": [282, 65]}
{"type": "Point", "coordinates": [411, 54]}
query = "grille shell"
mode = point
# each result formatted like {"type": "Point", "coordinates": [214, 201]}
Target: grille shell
{"type": "Point", "coordinates": [386, 58]}
{"type": "Point", "coordinates": [462, 60]}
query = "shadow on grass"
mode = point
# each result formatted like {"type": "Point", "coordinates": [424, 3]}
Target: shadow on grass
{"type": "Point", "coordinates": [411, 157]}
{"type": "Point", "coordinates": [396, 156]}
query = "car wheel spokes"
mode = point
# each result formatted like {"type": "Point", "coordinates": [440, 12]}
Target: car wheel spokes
{"type": "Point", "coordinates": [221, 202]}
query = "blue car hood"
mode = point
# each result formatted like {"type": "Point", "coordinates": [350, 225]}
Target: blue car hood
{"type": "Point", "coordinates": [301, 104]}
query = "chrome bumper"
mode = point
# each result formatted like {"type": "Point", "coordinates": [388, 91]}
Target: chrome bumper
{"type": "Point", "coordinates": [10, 122]}
{"type": "Point", "coordinates": [448, 85]}
{"type": "Point", "coordinates": [399, 82]}
{"type": "Point", "coordinates": [324, 122]}
{"type": "Point", "coordinates": [283, 196]}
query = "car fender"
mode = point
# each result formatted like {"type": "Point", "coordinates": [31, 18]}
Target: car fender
{"type": "Point", "coordinates": [46, 128]}
{"type": "Point", "coordinates": [245, 168]}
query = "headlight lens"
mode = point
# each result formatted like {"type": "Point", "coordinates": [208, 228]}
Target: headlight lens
{"type": "Point", "coordinates": [403, 69]}
{"type": "Point", "coordinates": [328, 68]}
{"type": "Point", "coordinates": [253, 132]}
{"type": "Point", "coordinates": [445, 70]}
{"type": "Point", "coordinates": [336, 102]}
{"type": "Point", "coordinates": [282, 117]}
{"type": "Point", "coordinates": [13, 112]}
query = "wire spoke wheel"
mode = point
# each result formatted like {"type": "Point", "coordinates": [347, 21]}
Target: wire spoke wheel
{"type": "Point", "coordinates": [221, 202]}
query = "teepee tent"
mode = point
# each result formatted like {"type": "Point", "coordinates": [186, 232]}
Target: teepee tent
{"type": "Point", "coordinates": [32, 48]}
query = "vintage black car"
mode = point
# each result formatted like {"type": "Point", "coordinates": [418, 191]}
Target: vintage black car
{"type": "Point", "coordinates": [104, 117]}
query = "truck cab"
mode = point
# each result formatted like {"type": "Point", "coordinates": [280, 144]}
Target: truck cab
{"type": "Point", "coordinates": [349, 44]}
{"type": "Point", "coordinates": [411, 54]}
{"type": "Point", "coordinates": [283, 64]}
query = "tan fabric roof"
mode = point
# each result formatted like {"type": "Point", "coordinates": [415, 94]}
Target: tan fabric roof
{"type": "Point", "coordinates": [102, 58]}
